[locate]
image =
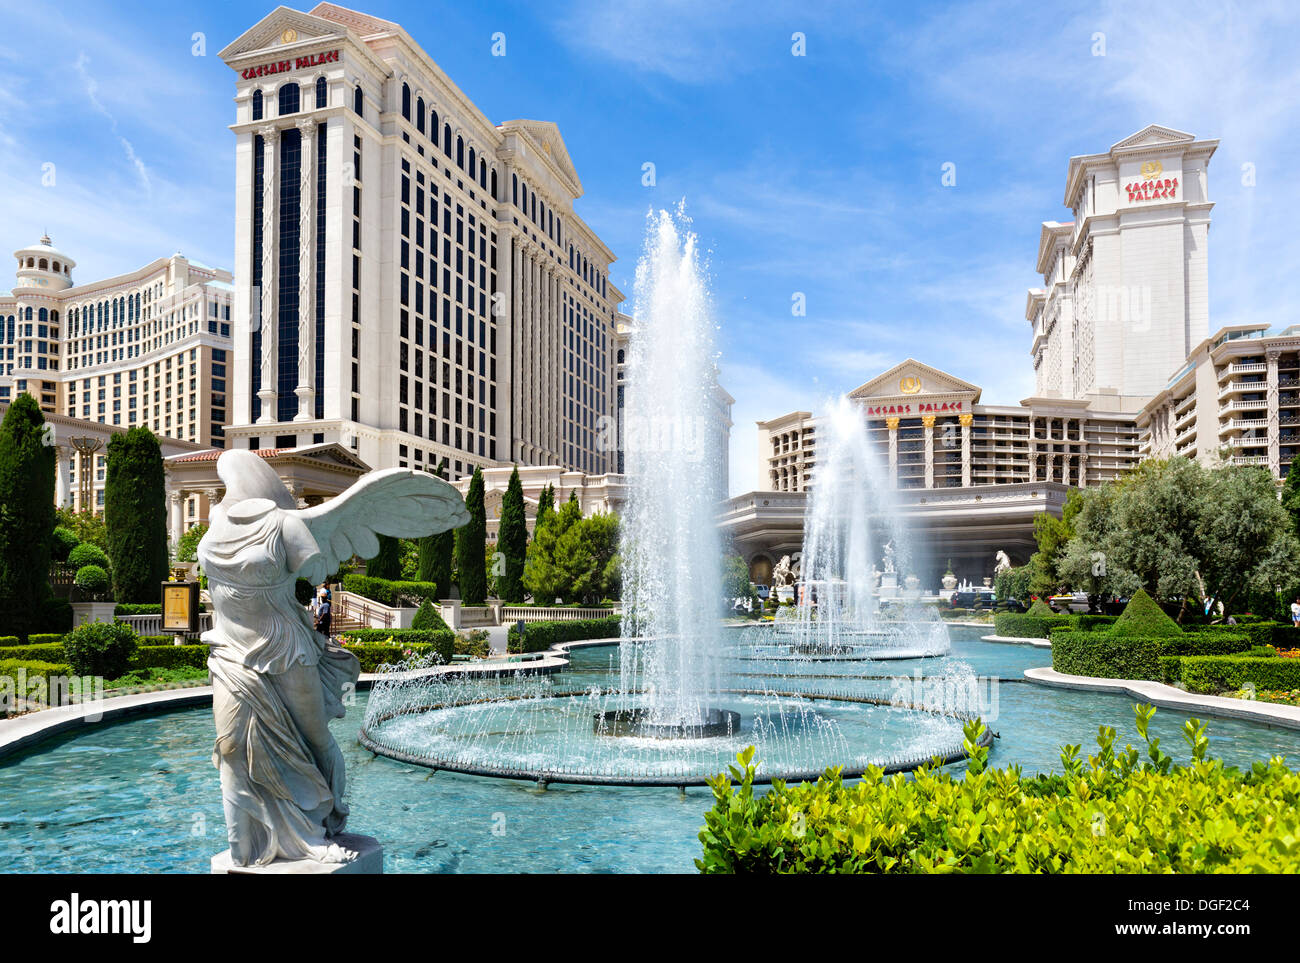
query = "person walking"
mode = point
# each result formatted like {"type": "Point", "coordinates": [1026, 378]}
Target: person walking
{"type": "Point", "coordinates": [323, 613]}
{"type": "Point", "coordinates": [1295, 613]}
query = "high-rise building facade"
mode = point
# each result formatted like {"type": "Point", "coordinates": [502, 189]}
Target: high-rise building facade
{"type": "Point", "coordinates": [411, 279]}
{"type": "Point", "coordinates": [1125, 293]}
{"type": "Point", "coordinates": [151, 348]}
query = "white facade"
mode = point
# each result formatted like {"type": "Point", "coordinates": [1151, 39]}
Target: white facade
{"type": "Point", "coordinates": [432, 292]}
{"type": "Point", "coordinates": [1125, 283]}
{"type": "Point", "coordinates": [149, 348]}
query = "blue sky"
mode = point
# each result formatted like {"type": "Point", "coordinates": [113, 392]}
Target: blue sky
{"type": "Point", "coordinates": [818, 174]}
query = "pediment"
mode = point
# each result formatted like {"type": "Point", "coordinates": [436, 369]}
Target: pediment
{"type": "Point", "coordinates": [546, 139]}
{"type": "Point", "coordinates": [282, 27]}
{"type": "Point", "coordinates": [1154, 135]}
{"type": "Point", "coordinates": [911, 377]}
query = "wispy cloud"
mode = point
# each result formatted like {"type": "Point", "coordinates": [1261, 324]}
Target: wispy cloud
{"type": "Point", "coordinates": [92, 94]}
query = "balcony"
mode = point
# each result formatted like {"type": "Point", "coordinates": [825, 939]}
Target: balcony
{"type": "Point", "coordinates": [1237, 387]}
{"type": "Point", "coordinates": [1242, 424]}
{"type": "Point", "coordinates": [1242, 405]}
{"type": "Point", "coordinates": [1248, 460]}
{"type": "Point", "coordinates": [1248, 367]}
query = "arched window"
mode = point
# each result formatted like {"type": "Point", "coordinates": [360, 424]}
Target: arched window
{"type": "Point", "coordinates": [358, 101]}
{"type": "Point", "coordinates": [433, 124]}
{"type": "Point", "coordinates": [43, 315]}
{"type": "Point", "coordinates": [446, 140]}
{"type": "Point", "coordinates": [620, 355]}
{"type": "Point", "coordinates": [56, 267]}
{"type": "Point", "coordinates": [482, 173]}
{"type": "Point", "coordinates": [472, 165]}
{"type": "Point", "coordinates": [44, 264]}
{"type": "Point", "coordinates": [419, 114]}
{"type": "Point", "coordinates": [406, 102]}
{"type": "Point", "coordinates": [514, 189]}
{"type": "Point", "coordinates": [257, 105]}
{"type": "Point", "coordinates": [460, 152]}
{"type": "Point", "coordinates": [494, 183]}
{"type": "Point", "coordinates": [322, 95]}
{"type": "Point", "coordinates": [289, 99]}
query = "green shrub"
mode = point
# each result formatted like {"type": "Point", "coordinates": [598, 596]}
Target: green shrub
{"type": "Point", "coordinates": [1227, 673]}
{"type": "Point", "coordinates": [38, 652]}
{"type": "Point", "coordinates": [419, 641]}
{"type": "Point", "coordinates": [1039, 607]}
{"type": "Point", "coordinates": [391, 593]}
{"type": "Point", "coordinates": [1102, 655]}
{"type": "Point", "coordinates": [87, 554]}
{"type": "Point", "coordinates": [137, 608]}
{"type": "Point", "coordinates": [1028, 625]}
{"type": "Point", "coordinates": [539, 636]}
{"type": "Point", "coordinates": [475, 644]}
{"type": "Point", "coordinates": [170, 657]}
{"type": "Point", "coordinates": [1092, 623]}
{"type": "Point", "coordinates": [100, 648]}
{"type": "Point", "coordinates": [427, 619]}
{"type": "Point", "coordinates": [1142, 618]}
{"type": "Point", "coordinates": [37, 676]}
{"type": "Point", "coordinates": [1259, 633]}
{"type": "Point", "coordinates": [373, 656]}
{"type": "Point", "coordinates": [62, 541]}
{"type": "Point", "coordinates": [54, 616]}
{"type": "Point", "coordinates": [92, 580]}
{"type": "Point", "coordinates": [1153, 816]}
{"type": "Point", "coordinates": [1284, 635]}
{"type": "Point", "coordinates": [135, 514]}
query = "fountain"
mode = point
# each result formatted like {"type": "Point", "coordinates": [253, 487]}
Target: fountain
{"type": "Point", "coordinates": [681, 695]}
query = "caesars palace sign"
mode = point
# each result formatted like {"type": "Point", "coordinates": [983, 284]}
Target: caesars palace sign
{"type": "Point", "coordinates": [297, 63]}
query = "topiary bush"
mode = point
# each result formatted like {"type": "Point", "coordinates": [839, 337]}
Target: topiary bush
{"type": "Point", "coordinates": [391, 641]}
{"type": "Point", "coordinates": [1109, 814]}
{"type": "Point", "coordinates": [1226, 673]}
{"type": "Point", "coordinates": [84, 553]}
{"type": "Point", "coordinates": [1028, 625]}
{"type": "Point", "coordinates": [100, 648]}
{"type": "Point", "coordinates": [1143, 618]}
{"type": "Point", "coordinates": [1107, 656]}
{"type": "Point", "coordinates": [62, 542]}
{"type": "Point", "coordinates": [1039, 607]}
{"type": "Point", "coordinates": [170, 657]}
{"type": "Point", "coordinates": [137, 608]}
{"type": "Point", "coordinates": [427, 619]}
{"type": "Point", "coordinates": [391, 593]}
{"type": "Point", "coordinates": [92, 580]}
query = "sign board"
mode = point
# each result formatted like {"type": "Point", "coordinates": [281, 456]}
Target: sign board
{"type": "Point", "coordinates": [180, 607]}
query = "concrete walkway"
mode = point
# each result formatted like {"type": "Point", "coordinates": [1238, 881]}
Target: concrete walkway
{"type": "Point", "coordinates": [1017, 640]}
{"type": "Point", "coordinates": [1166, 696]}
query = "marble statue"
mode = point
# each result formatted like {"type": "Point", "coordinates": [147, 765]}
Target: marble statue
{"type": "Point", "coordinates": [889, 558]}
{"type": "Point", "coordinates": [276, 681]}
{"type": "Point", "coordinates": [782, 573]}
{"type": "Point", "coordinates": [1003, 562]}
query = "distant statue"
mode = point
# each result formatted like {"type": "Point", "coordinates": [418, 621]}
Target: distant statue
{"type": "Point", "coordinates": [277, 682]}
{"type": "Point", "coordinates": [889, 558]}
{"type": "Point", "coordinates": [782, 574]}
{"type": "Point", "coordinates": [1003, 563]}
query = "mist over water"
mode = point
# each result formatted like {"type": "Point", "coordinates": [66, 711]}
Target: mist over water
{"type": "Point", "coordinates": [672, 579]}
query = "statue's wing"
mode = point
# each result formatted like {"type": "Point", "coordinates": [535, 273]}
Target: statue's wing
{"type": "Point", "coordinates": [396, 501]}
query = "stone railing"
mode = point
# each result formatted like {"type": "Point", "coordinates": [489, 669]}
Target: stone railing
{"type": "Point", "coordinates": [152, 624]}
{"type": "Point", "coordinates": [534, 613]}
{"type": "Point", "coordinates": [372, 614]}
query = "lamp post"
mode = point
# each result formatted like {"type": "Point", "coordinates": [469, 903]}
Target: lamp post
{"type": "Point", "coordinates": [86, 447]}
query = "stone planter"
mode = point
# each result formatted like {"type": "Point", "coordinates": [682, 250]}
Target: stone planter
{"type": "Point", "coordinates": [83, 612]}
{"type": "Point", "coordinates": [949, 582]}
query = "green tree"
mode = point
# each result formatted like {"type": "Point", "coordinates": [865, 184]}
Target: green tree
{"type": "Point", "coordinates": [187, 549]}
{"type": "Point", "coordinates": [26, 516]}
{"type": "Point", "coordinates": [583, 555]}
{"type": "Point", "coordinates": [87, 526]}
{"type": "Point", "coordinates": [1052, 535]}
{"type": "Point", "coordinates": [1013, 583]}
{"type": "Point", "coordinates": [735, 577]}
{"type": "Point", "coordinates": [545, 508]}
{"type": "Point", "coordinates": [388, 562]}
{"type": "Point", "coordinates": [135, 515]}
{"type": "Point", "coordinates": [471, 542]}
{"type": "Point", "coordinates": [544, 576]}
{"type": "Point", "coordinates": [436, 553]}
{"type": "Point", "coordinates": [1291, 496]}
{"type": "Point", "coordinates": [512, 541]}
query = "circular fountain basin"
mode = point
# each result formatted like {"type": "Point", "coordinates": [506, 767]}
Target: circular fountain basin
{"type": "Point", "coordinates": [642, 724]}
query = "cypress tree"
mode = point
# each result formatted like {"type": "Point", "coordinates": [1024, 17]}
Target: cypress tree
{"type": "Point", "coordinates": [436, 553]}
{"type": "Point", "coordinates": [26, 517]}
{"type": "Point", "coordinates": [471, 546]}
{"type": "Point", "coordinates": [1291, 495]}
{"type": "Point", "coordinates": [545, 508]}
{"type": "Point", "coordinates": [388, 563]}
{"type": "Point", "coordinates": [135, 515]}
{"type": "Point", "coordinates": [512, 540]}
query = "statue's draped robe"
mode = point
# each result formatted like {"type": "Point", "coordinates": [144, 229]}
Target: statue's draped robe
{"type": "Point", "coordinates": [281, 797]}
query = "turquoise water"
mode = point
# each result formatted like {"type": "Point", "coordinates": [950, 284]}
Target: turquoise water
{"type": "Point", "coordinates": [142, 795]}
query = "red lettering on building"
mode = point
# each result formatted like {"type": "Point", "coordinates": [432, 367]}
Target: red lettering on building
{"type": "Point", "coordinates": [280, 66]}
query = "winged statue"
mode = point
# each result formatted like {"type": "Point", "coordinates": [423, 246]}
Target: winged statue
{"type": "Point", "coordinates": [276, 681]}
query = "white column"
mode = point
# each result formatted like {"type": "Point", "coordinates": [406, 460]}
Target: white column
{"type": "Point", "coordinates": [1273, 413]}
{"type": "Point", "coordinates": [892, 424]}
{"type": "Point", "coordinates": [270, 220]}
{"type": "Point", "coordinates": [177, 521]}
{"type": "Point", "coordinates": [306, 389]}
{"type": "Point", "coordinates": [965, 450]}
{"type": "Point", "coordinates": [927, 422]}
{"type": "Point", "coordinates": [62, 490]}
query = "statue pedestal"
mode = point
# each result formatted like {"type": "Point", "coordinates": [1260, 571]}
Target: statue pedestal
{"type": "Point", "coordinates": [369, 861]}
{"type": "Point", "coordinates": [889, 585]}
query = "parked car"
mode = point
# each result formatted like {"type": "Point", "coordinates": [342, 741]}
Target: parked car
{"type": "Point", "coordinates": [1074, 602]}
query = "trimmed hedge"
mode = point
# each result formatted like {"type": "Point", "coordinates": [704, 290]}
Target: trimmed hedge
{"type": "Point", "coordinates": [1028, 625]}
{"type": "Point", "coordinates": [1142, 618]}
{"type": "Point", "coordinates": [1107, 656]}
{"type": "Point", "coordinates": [44, 652]}
{"type": "Point", "coordinates": [391, 593]}
{"type": "Point", "coordinates": [137, 608]}
{"type": "Point", "coordinates": [171, 657]}
{"type": "Point", "coordinates": [1220, 673]}
{"type": "Point", "coordinates": [428, 619]}
{"type": "Point", "coordinates": [419, 641]}
{"type": "Point", "coordinates": [1092, 623]}
{"type": "Point", "coordinates": [539, 636]}
{"type": "Point", "coordinates": [34, 670]}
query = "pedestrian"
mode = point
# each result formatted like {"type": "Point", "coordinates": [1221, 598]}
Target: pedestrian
{"type": "Point", "coordinates": [323, 612]}
{"type": "Point", "coordinates": [1295, 613]}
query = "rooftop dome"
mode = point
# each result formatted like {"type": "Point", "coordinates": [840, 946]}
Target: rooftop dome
{"type": "Point", "coordinates": [42, 265]}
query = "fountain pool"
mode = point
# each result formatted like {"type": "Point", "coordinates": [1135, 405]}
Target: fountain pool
{"type": "Point", "coordinates": [140, 795]}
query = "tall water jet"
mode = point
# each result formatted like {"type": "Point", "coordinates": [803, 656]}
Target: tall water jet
{"type": "Point", "coordinates": [672, 579]}
{"type": "Point", "coordinates": [852, 524]}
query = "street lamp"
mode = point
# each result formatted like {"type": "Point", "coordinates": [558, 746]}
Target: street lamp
{"type": "Point", "coordinates": [86, 447]}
